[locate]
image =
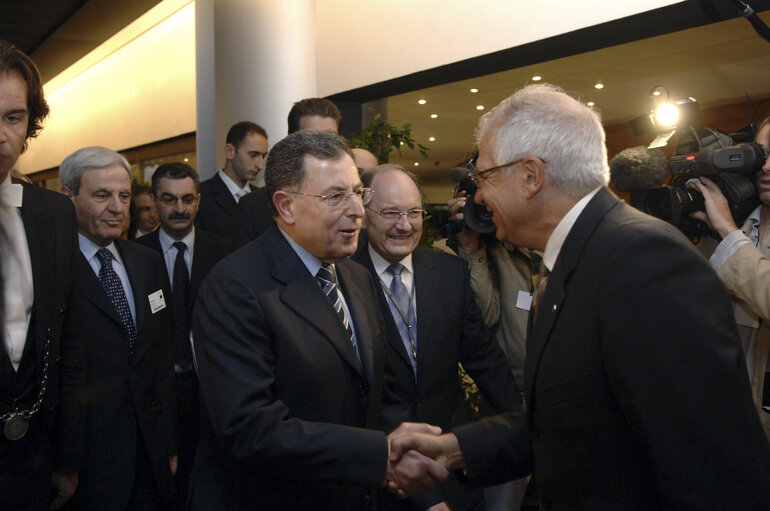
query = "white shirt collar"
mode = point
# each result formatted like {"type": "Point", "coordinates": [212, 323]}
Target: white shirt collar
{"type": "Point", "coordinates": [557, 237]}
{"type": "Point", "coordinates": [234, 189]}
{"type": "Point", "coordinates": [89, 249]}
{"type": "Point", "coordinates": [167, 242]}
{"type": "Point", "coordinates": [381, 265]}
{"type": "Point", "coordinates": [11, 194]}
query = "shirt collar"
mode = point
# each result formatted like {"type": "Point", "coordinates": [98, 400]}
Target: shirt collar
{"type": "Point", "coordinates": [381, 265]}
{"type": "Point", "coordinates": [88, 248]}
{"type": "Point", "coordinates": [167, 242]}
{"type": "Point", "coordinates": [559, 235]}
{"type": "Point", "coordinates": [311, 262]}
{"type": "Point", "coordinates": [11, 194]}
{"type": "Point", "coordinates": [231, 186]}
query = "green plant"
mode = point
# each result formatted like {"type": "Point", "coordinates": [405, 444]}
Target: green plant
{"type": "Point", "coordinates": [381, 137]}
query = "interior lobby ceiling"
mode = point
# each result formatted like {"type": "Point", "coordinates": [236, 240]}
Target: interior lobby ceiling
{"type": "Point", "coordinates": [720, 63]}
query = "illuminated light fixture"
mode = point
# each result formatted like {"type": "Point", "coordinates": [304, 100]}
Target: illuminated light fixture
{"type": "Point", "coordinates": [417, 164]}
{"type": "Point", "coordinates": [421, 101]}
{"type": "Point", "coordinates": [474, 91]}
{"type": "Point", "coordinates": [432, 139]}
{"type": "Point", "coordinates": [599, 85]}
{"type": "Point", "coordinates": [537, 78]}
{"type": "Point", "coordinates": [479, 107]}
{"type": "Point", "coordinates": [433, 116]}
{"type": "Point", "coordinates": [186, 160]}
{"type": "Point", "coordinates": [665, 117]}
{"type": "Point", "coordinates": [402, 143]}
{"type": "Point", "coordinates": [590, 103]}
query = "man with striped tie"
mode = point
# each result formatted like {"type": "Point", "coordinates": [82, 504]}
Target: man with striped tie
{"type": "Point", "coordinates": [289, 343]}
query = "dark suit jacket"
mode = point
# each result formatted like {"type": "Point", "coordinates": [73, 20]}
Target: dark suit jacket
{"type": "Point", "coordinates": [208, 249]}
{"type": "Point", "coordinates": [50, 227]}
{"type": "Point", "coordinates": [125, 395]}
{"type": "Point", "coordinates": [287, 397]}
{"type": "Point", "coordinates": [635, 382]}
{"type": "Point", "coordinates": [218, 211]}
{"type": "Point", "coordinates": [254, 211]}
{"type": "Point", "coordinates": [449, 330]}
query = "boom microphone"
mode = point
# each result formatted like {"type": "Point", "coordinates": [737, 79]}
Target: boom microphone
{"type": "Point", "coordinates": [638, 168]}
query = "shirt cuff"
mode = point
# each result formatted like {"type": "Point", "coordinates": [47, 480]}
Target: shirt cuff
{"type": "Point", "coordinates": [729, 245]}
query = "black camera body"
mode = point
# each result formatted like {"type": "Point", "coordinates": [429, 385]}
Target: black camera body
{"type": "Point", "coordinates": [476, 217]}
{"type": "Point", "coordinates": [730, 161]}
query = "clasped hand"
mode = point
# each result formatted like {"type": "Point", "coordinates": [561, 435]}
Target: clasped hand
{"type": "Point", "coordinates": [417, 459]}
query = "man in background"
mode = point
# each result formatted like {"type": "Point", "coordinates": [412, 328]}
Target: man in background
{"type": "Point", "coordinates": [245, 153]}
{"type": "Point", "coordinates": [314, 114]}
{"type": "Point", "coordinates": [144, 217]}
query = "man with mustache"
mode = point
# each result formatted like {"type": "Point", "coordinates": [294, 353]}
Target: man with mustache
{"type": "Point", "coordinates": [189, 254]}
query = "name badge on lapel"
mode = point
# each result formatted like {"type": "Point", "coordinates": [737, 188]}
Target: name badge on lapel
{"type": "Point", "coordinates": [157, 302]}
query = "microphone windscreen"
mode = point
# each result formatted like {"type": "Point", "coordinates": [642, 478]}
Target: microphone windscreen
{"type": "Point", "coordinates": [457, 174]}
{"type": "Point", "coordinates": [638, 168]}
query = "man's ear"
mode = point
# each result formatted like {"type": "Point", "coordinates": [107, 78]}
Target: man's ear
{"type": "Point", "coordinates": [534, 176]}
{"type": "Point", "coordinates": [66, 191]}
{"type": "Point", "coordinates": [284, 204]}
{"type": "Point", "coordinates": [229, 151]}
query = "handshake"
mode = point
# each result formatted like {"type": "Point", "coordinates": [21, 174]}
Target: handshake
{"type": "Point", "coordinates": [419, 457]}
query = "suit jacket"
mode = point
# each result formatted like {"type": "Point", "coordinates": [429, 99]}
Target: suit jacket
{"type": "Point", "coordinates": [254, 211]}
{"type": "Point", "coordinates": [287, 397]}
{"type": "Point", "coordinates": [218, 211]}
{"type": "Point", "coordinates": [208, 249]}
{"type": "Point", "coordinates": [50, 227]}
{"type": "Point", "coordinates": [126, 396]}
{"type": "Point", "coordinates": [450, 330]}
{"type": "Point", "coordinates": [747, 276]}
{"type": "Point", "coordinates": [635, 381]}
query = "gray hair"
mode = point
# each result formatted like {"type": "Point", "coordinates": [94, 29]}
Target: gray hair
{"type": "Point", "coordinates": [285, 166]}
{"type": "Point", "coordinates": [543, 121]}
{"type": "Point", "coordinates": [95, 157]}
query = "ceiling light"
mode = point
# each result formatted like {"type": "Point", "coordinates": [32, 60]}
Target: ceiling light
{"type": "Point", "coordinates": [537, 78]}
{"type": "Point", "coordinates": [479, 107]}
{"type": "Point", "coordinates": [421, 101]}
{"type": "Point", "coordinates": [433, 116]}
{"type": "Point", "coordinates": [186, 160]}
{"type": "Point", "coordinates": [599, 85]}
{"type": "Point", "coordinates": [590, 103]}
{"type": "Point", "coordinates": [402, 143]}
{"type": "Point", "coordinates": [474, 91]}
{"type": "Point", "coordinates": [656, 93]}
{"type": "Point", "coordinates": [432, 139]}
{"type": "Point", "coordinates": [417, 164]}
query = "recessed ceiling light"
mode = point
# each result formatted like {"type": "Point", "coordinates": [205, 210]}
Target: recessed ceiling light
{"type": "Point", "coordinates": [433, 116]}
{"type": "Point", "coordinates": [479, 107]}
{"type": "Point", "coordinates": [432, 139]}
{"type": "Point", "coordinates": [590, 103]}
{"type": "Point", "coordinates": [474, 91]}
{"type": "Point", "coordinates": [401, 143]}
{"type": "Point", "coordinates": [599, 85]}
{"type": "Point", "coordinates": [417, 164]}
{"type": "Point", "coordinates": [186, 160]}
{"type": "Point", "coordinates": [421, 101]}
{"type": "Point", "coordinates": [656, 93]}
{"type": "Point", "coordinates": [537, 78]}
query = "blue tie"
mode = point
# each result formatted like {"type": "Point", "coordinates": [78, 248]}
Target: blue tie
{"type": "Point", "coordinates": [400, 296]}
{"type": "Point", "coordinates": [325, 278]}
{"type": "Point", "coordinates": [114, 289]}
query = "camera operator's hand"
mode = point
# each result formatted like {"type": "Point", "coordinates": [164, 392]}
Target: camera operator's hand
{"type": "Point", "coordinates": [467, 239]}
{"type": "Point", "coordinates": [717, 214]}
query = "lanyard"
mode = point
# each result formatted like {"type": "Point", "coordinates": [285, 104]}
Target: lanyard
{"type": "Point", "coordinates": [408, 320]}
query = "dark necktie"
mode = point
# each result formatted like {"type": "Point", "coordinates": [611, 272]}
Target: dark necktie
{"type": "Point", "coordinates": [403, 313]}
{"type": "Point", "coordinates": [325, 278]}
{"type": "Point", "coordinates": [114, 289]}
{"type": "Point", "coordinates": [537, 296]}
{"type": "Point", "coordinates": [180, 306]}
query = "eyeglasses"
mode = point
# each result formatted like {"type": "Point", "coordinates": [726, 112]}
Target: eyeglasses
{"type": "Point", "coordinates": [170, 200]}
{"type": "Point", "coordinates": [336, 199]}
{"type": "Point", "coordinates": [478, 175]}
{"type": "Point", "coordinates": [394, 215]}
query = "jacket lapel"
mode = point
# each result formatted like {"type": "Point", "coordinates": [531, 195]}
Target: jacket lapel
{"type": "Point", "coordinates": [556, 289]}
{"type": "Point", "coordinates": [136, 279]}
{"type": "Point", "coordinates": [302, 294]}
{"type": "Point", "coordinates": [357, 306]}
{"type": "Point", "coordinates": [427, 288]}
{"type": "Point", "coordinates": [95, 293]}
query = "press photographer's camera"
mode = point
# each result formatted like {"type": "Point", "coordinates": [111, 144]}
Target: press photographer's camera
{"type": "Point", "coordinates": [476, 216]}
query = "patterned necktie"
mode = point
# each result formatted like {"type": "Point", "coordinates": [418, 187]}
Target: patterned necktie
{"type": "Point", "coordinates": [537, 296]}
{"type": "Point", "coordinates": [401, 297]}
{"type": "Point", "coordinates": [114, 289]}
{"type": "Point", "coordinates": [325, 278]}
{"type": "Point", "coordinates": [180, 306]}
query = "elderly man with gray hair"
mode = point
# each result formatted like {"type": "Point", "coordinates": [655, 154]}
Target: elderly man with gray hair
{"type": "Point", "coordinates": [635, 382]}
{"type": "Point", "coordinates": [129, 453]}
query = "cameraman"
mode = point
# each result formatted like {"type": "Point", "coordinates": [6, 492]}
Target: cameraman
{"type": "Point", "coordinates": [741, 261]}
{"type": "Point", "coordinates": [502, 281]}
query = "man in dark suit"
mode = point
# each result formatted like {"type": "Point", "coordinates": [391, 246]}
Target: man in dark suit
{"type": "Point", "coordinates": [41, 360]}
{"type": "Point", "coordinates": [635, 382]}
{"type": "Point", "coordinates": [432, 324]}
{"type": "Point", "coordinates": [245, 152]}
{"type": "Point", "coordinates": [289, 343]}
{"type": "Point", "coordinates": [129, 453]}
{"type": "Point", "coordinates": [189, 255]}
